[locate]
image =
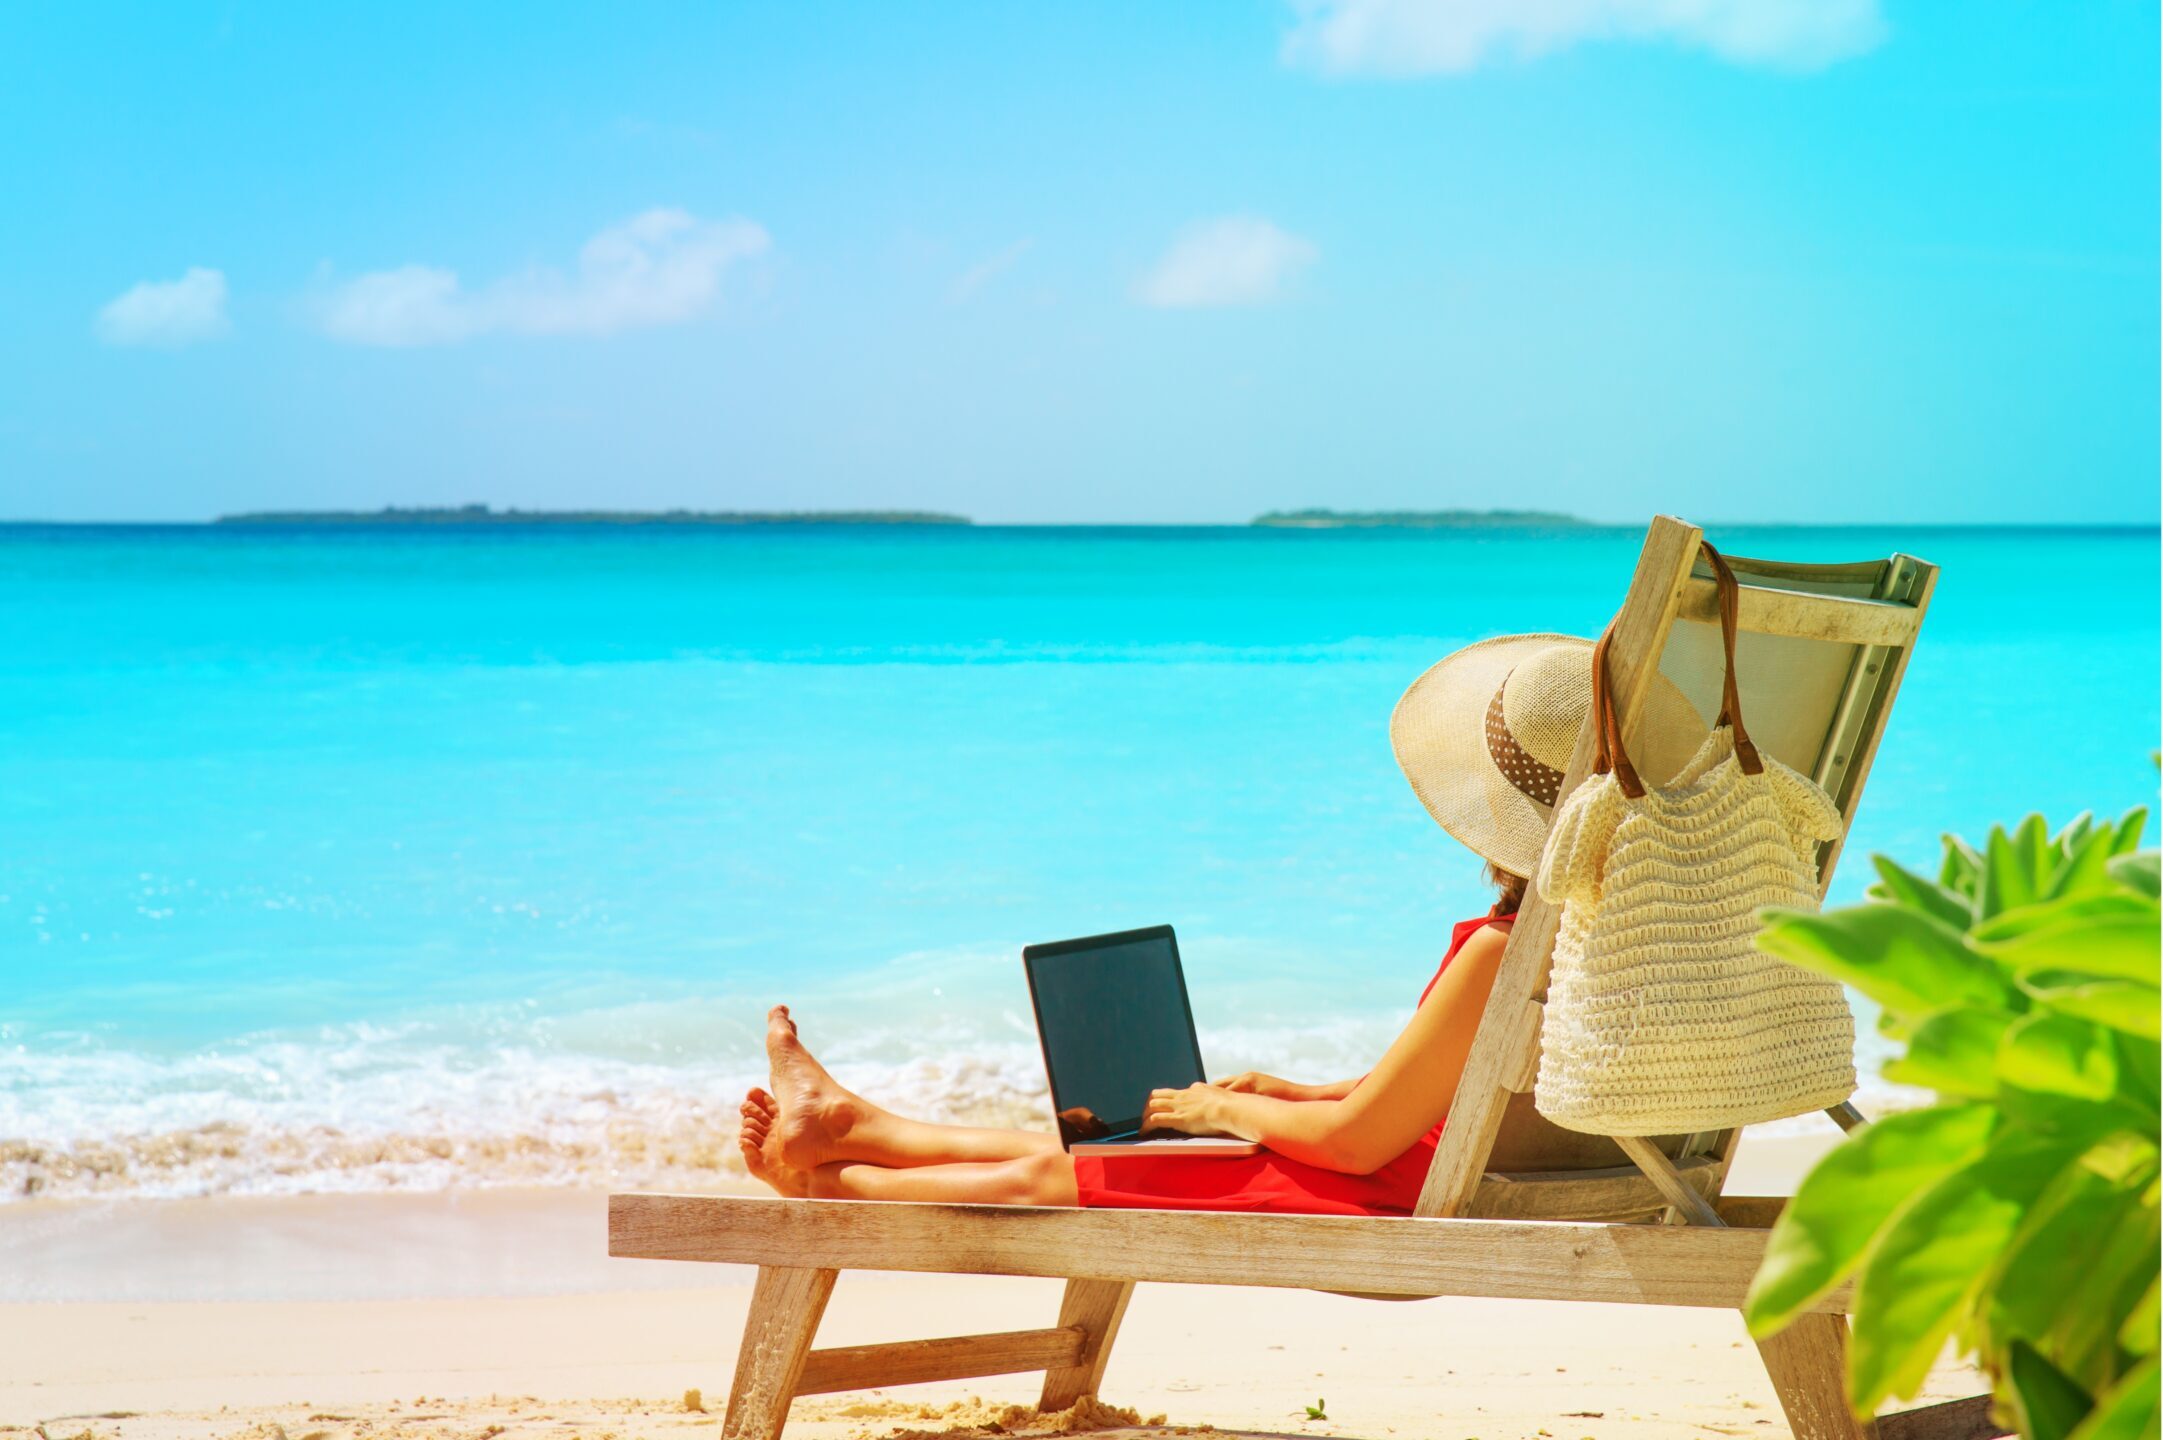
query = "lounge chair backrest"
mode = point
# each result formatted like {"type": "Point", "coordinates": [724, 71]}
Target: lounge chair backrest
{"type": "Point", "coordinates": [1820, 657]}
{"type": "Point", "coordinates": [1817, 702]}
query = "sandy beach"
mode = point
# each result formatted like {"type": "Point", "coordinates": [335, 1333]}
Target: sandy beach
{"type": "Point", "coordinates": [612, 613]}
{"type": "Point", "coordinates": [493, 1313]}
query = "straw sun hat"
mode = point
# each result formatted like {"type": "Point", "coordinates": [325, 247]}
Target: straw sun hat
{"type": "Point", "coordinates": [1485, 734]}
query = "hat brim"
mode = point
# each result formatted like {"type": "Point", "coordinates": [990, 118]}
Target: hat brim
{"type": "Point", "coordinates": [1438, 732]}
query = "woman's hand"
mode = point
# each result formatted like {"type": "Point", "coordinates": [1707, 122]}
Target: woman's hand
{"type": "Point", "coordinates": [1196, 1110]}
{"type": "Point", "coordinates": [1269, 1087]}
{"type": "Point", "coordinates": [1254, 1082]}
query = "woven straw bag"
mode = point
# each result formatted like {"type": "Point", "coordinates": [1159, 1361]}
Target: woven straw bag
{"type": "Point", "coordinates": [1662, 1018]}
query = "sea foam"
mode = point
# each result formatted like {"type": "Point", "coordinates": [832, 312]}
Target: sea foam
{"type": "Point", "coordinates": [387, 1111]}
{"type": "Point", "coordinates": [411, 1107]}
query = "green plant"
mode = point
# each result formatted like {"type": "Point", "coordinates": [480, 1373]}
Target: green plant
{"type": "Point", "coordinates": [1319, 1410]}
{"type": "Point", "coordinates": [2018, 1213]}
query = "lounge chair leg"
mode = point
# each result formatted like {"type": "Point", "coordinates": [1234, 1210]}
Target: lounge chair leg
{"type": "Point", "coordinates": [1808, 1365]}
{"type": "Point", "coordinates": [785, 1308]}
{"type": "Point", "coordinates": [1094, 1307]}
{"type": "Point", "coordinates": [1685, 1202]}
{"type": "Point", "coordinates": [1846, 1116]}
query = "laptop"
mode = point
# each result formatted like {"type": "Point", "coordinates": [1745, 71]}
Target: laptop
{"type": "Point", "coordinates": [1112, 1013]}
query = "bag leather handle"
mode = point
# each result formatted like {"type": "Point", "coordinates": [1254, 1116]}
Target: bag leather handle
{"type": "Point", "coordinates": [1608, 753]}
{"type": "Point", "coordinates": [1730, 695]}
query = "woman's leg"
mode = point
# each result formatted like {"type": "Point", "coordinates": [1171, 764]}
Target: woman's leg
{"type": "Point", "coordinates": [813, 1121]}
{"type": "Point", "coordinates": [1043, 1178]}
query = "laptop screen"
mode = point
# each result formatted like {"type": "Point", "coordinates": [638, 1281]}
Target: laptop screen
{"type": "Point", "coordinates": [1113, 1015]}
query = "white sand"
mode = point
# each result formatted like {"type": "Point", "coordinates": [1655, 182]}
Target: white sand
{"type": "Point", "coordinates": [497, 1313]}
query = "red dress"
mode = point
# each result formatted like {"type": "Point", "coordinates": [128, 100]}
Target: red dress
{"type": "Point", "coordinates": [1266, 1180]}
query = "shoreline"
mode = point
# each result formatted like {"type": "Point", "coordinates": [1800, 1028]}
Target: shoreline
{"type": "Point", "coordinates": [435, 1244]}
{"type": "Point", "coordinates": [676, 1143]}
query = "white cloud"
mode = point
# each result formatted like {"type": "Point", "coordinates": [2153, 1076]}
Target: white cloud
{"type": "Point", "coordinates": [658, 268]}
{"type": "Point", "coordinates": [986, 270]}
{"type": "Point", "coordinates": [167, 313]}
{"type": "Point", "coordinates": [1235, 260]}
{"type": "Point", "coordinates": [412, 305]}
{"type": "Point", "coordinates": [1414, 37]}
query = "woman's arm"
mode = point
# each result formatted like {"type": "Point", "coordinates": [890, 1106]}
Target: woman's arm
{"type": "Point", "coordinates": [1406, 1095]}
{"type": "Point", "coordinates": [1254, 1082]}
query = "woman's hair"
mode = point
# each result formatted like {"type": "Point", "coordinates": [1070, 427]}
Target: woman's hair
{"type": "Point", "coordinates": [1509, 890]}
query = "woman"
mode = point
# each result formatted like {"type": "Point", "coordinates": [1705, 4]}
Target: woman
{"type": "Point", "coordinates": [1484, 737]}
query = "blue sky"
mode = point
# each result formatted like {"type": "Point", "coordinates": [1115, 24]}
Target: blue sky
{"type": "Point", "coordinates": [1812, 260]}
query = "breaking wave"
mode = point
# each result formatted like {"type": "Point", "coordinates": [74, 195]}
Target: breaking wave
{"type": "Point", "coordinates": [367, 1112]}
{"type": "Point", "coordinates": [642, 1096]}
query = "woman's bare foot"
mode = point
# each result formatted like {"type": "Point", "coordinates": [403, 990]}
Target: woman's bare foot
{"type": "Point", "coordinates": [815, 1115]}
{"type": "Point", "coordinates": [757, 1112]}
{"type": "Point", "coordinates": [762, 1148]}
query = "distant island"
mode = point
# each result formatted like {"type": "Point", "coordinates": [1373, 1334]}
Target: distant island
{"type": "Point", "coordinates": [1420, 520]}
{"type": "Point", "coordinates": [482, 515]}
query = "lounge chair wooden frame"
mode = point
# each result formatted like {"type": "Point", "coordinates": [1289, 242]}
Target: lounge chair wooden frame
{"type": "Point", "coordinates": [1512, 1207]}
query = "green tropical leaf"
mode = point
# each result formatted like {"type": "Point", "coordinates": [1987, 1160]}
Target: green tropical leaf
{"type": "Point", "coordinates": [2126, 1005]}
{"type": "Point", "coordinates": [2051, 1404]}
{"type": "Point", "coordinates": [2085, 868]}
{"type": "Point", "coordinates": [1905, 887]}
{"type": "Point", "coordinates": [2116, 903]}
{"type": "Point", "coordinates": [2086, 1251]}
{"type": "Point", "coordinates": [1961, 869]}
{"type": "Point", "coordinates": [2138, 1334]}
{"type": "Point", "coordinates": [2114, 935]}
{"type": "Point", "coordinates": [1922, 1275]}
{"type": "Point", "coordinates": [2127, 1411]}
{"type": "Point", "coordinates": [2069, 1118]}
{"type": "Point", "coordinates": [2126, 1159]}
{"type": "Point", "coordinates": [2059, 1055]}
{"type": "Point", "coordinates": [1954, 1052]}
{"type": "Point", "coordinates": [2137, 872]}
{"type": "Point", "coordinates": [2140, 1077]}
{"type": "Point", "coordinates": [2016, 868]}
{"type": "Point", "coordinates": [2087, 1334]}
{"type": "Point", "coordinates": [2019, 1215]}
{"type": "Point", "coordinates": [1825, 1231]}
{"type": "Point", "coordinates": [1911, 965]}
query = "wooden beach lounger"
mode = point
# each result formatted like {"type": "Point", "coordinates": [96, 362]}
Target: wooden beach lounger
{"type": "Point", "coordinates": [1513, 1206]}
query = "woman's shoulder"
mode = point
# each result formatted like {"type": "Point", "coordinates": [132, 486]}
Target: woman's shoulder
{"type": "Point", "coordinates": [1480, 935]}
{"type": "Point", "coordinates": [1473, 943]}
{"type": "Point", "coordinates": [1466, 930]}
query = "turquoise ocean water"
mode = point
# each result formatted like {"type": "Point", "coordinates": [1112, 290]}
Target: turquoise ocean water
{"type": "Point", "coordinates": [357, 858]}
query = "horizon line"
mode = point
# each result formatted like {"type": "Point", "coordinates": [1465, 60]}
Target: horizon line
{"type": "Point", "coordinates": [970, 523]}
